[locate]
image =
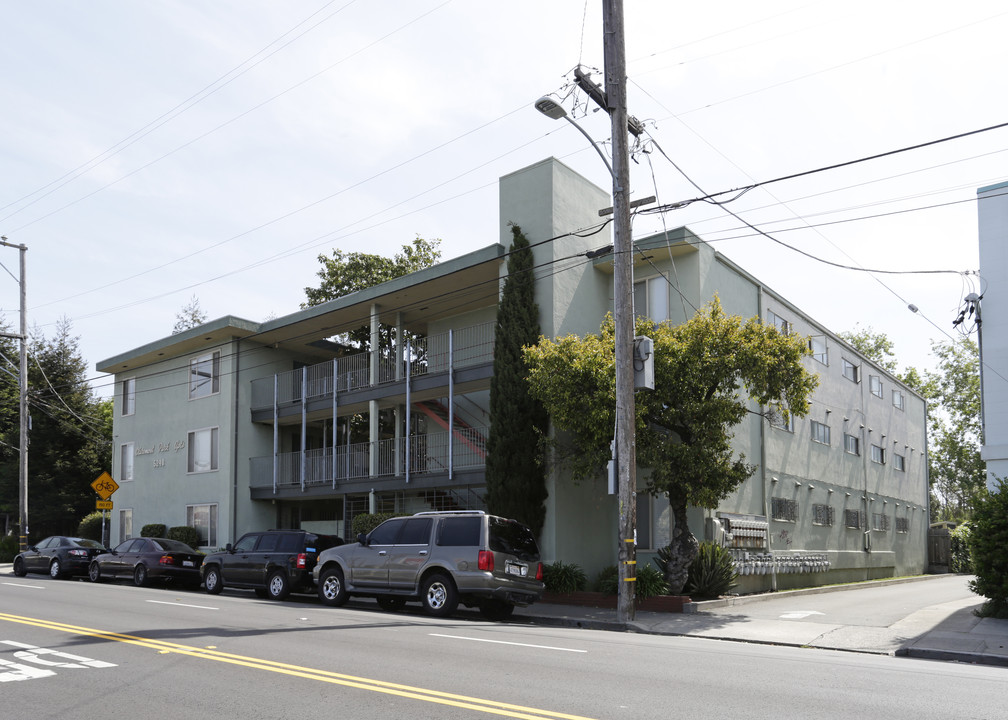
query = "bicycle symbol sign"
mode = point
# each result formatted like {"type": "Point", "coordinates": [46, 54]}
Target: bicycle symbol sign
{"type": "Point", "coordinates": [105, 486]}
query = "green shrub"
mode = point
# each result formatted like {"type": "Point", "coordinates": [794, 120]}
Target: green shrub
{"type": "Point", "coordinates": [366, 522]}
{"type": "Point", "coordinates": [561, 577]}
{"type": "Point", "coordinates": [712, 572]}
{"type": "Point", "coordinates": [607, 581]}
{"type": "Point", "coordinates": [91, 526]}
{"type": "Point", "coordinates": [154, 530]}
{"type": "Point", "coordinates": [8, 548]}
{"type": "Point", "coordinates": [183, 533]}
{"type": "Point", "coordinates": [960, 560]}
{"type": "Point", "coordinates": [989, 546]}
{"type": "Point", "coordinates": [650, 582]}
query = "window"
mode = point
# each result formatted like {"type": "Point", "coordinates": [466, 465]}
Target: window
{"type": "Point", "coordinates": [851, 371]}
{"type": "Point", "coordinates": [817, 346]}
{"type": "Point", "coordinates": [202, 450]}
{"type": "Point", "coordinates": [460, 531]}
{"type": "Point", "coordinates": [784, 509]}
{"type": "Point", "coordinates": [651, 299]}
{"type": "Point", "coordinates": [245, 544]}
{"type": "Point", "coordinates": [416, 531]}
{"type": "Point", "coordinates": [852, 444]}
{"type": "Point", "coordinates": [899, 462]}
{"type": "Point", "coordinates": [386, 533]}
{"type": "Point", "coordinates": [128, 396]}
{"type": "Point", "coordinates": [126, 462]}
{"type": "Point", "coordinates": [902, 524]}
{"type": "Point", "coordinates": [782, 325]}
{"type": "Point", "coordinates": [204, 375]}
{"type": "Point", "coordinates": [822, 515]}
{"type": "Point", "coordinates": [878, 454]}
{"type": "Point", "coordinates": [880, 522]}
{"type": "Point", "coordinates": [854, 519]}
{"type": "Point", "coordinates": [875, 385]}
{"type": "Point", "coordinates": [125, 524]}
{"type": "Point", "coordinates": [820, 433]}
{"type": "Point", "coordinates": [897, 399]}
{"type": "Point", "coordinates": [204, 519]}
{"type": "Point", "coordinates": [778, 420]}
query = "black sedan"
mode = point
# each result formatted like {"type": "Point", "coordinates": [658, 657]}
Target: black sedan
{"type": "Point", "coordinates": [145, 559]}
{"type": "Point", "coordinates": [59, 556]}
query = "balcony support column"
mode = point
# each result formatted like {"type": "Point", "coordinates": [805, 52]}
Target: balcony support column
{"type": "Point", "coordinates": [304, 424]}
{"type": "Point", "coordinates": [398, 346]}
{"type": "Point", "coordinates": [335, 409]}
{"type": "Point", "coordinates": [375, 354]}
{"type": "Point", "coordinates": [451, 403]}
{"type": "Point", "coordinates": [276, 431]}
{"type": "Point", "coordinates": [409, 379]}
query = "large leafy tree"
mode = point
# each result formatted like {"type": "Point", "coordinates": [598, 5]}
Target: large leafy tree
{"type": "Point", "coordinates": [515, 474]}
{"type": "Point", "coordinates": [71, 436]}
{"type": "Point", "coordinates": [709, 373]}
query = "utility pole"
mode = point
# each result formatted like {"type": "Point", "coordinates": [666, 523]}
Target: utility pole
{"type": "Point", "coordinates": [626, 444]}
{"type": "Point", "coordinates": [23, 404]}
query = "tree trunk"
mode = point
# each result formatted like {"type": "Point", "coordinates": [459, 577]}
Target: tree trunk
{"type": "Point", "coordinates": [683, 546]}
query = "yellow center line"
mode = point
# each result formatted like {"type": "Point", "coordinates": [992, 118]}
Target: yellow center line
{"type": "Point", "coordinates": [388, 688]}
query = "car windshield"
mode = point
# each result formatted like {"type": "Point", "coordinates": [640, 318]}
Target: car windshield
{"type": "Point", "coordinates": [509, 536]}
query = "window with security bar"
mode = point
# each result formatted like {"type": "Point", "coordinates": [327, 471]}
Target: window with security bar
{"type": "Point", "coordinates": [854, 519]}
{"type": "Point", "coordinates": [822, 515]}
{"type": "Point", "coordinates": [784, 509]}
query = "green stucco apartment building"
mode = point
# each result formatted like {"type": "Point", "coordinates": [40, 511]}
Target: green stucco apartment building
{"type": "Point", "coordinates": [238, 425]}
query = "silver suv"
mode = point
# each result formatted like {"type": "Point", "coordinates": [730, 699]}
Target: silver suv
{"type": "Point", "coordinates": [440, 559]}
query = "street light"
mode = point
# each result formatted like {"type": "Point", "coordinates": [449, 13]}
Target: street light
{"type": "Point", "coordinates": [625, 440]}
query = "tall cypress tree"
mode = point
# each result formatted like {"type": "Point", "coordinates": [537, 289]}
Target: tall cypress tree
{"type": "Point", "coordinates": [515, 472]}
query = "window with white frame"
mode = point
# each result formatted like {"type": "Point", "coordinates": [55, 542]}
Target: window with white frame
{"type": "Point", "coordinates": [851, 371]}
{"type": "Point", "coordinates": [899, 462]}
{"type": "Point", "coordinates": [204, 375]}
{"type": "Point", "coordinates": [880, 522]}
{"type": "Point", "coordinates": [817, 346]}
{"type": "Point", "coordinates": [126, 455]}
{"type": "Point", "coordinates": [651, 298]}
{"type": "Point", "coordinates": [820, 432]}
{"type": "Point", "coordinates": [852, 444]}
{"type": "Point", "coordinates": [125, 524]}
{"type": "Point", "coordinates": [878, 454]}
{"type": "Point", "coordinates": [782, 325]}
{"type": "Point", "coordinates": [202, 450]}
{"type": "Point", "coordinates": [897, 399]}
{"type": "Point", "coordinates": [204, 519]}
{"type": "Point", "coordinates": [875, 385]}
{"type": "Point", "coordinates": [128, 406]}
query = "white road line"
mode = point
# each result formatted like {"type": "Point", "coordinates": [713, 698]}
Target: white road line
{"type": "Point", "coordinates": [504, 642]}
{"type": "Point", "coordinates": [33, 587]}
{"type": "Point", "coordinates": [178, 604]}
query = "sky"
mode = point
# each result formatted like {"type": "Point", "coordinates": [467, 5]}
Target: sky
{"type": "Point", "coordinates": [159, 151]}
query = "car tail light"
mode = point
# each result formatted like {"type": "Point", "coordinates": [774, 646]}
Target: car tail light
{"type": "Point", "coordinates": [302, 561]}
{"type": "Point", "coordinates": [78, 553]}
{"type": "Point", "coordinates": [167, 560]}
{"type": "Point", "coordinates": [539, 572]}
{"type": "Point", "coordinates": [486, 560]}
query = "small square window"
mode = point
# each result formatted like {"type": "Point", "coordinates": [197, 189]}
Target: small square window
{"type": "Point", "coordinates": [202, 450]}
{"type": "Point", "coordinates": [817, 346]}
{"type": "Point", "coordinates": [204, 375]}
{"type": "Point", "coordinates": [784, 509]}
{"type": "Point", "coordinates": [902, 524]}
{"type": "Point", "coordinates": [852, 444]}
{"type": "Point", "coordinates": [897, 399]}
{"type": "Point", "coordinates": [851, 371]}
{"type": "Point", "coordinates": [822, 515]}
{"type": "Point", "coordinates": [875, 385]}
{"type": "Point", "coordinates": [878, 454]}
{"type": "Point", "coordinates": [880, 522]}
{"type": "Point", "coordinates": [820, 433]}
{"type": "Point", "coordinates": [899, 462]}
{"type": "Point", "coordinates": [778, 420]}
{"type": "Point", "coordinates": [854, 519]}
{"type": "Point", "coordinates": [782, 325]}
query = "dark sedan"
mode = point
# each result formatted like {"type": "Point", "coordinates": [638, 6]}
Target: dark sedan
{"type": "Point", "coordinates": [146, 559]}
{"type": "Point", "coordinates": [59, 556]}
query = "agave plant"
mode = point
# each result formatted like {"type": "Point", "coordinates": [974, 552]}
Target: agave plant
{"type": "Point", "coordinates": [712, 572]}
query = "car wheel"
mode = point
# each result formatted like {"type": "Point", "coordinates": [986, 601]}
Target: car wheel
{"type": "Point", "coordinates": [496, 610]}
{"type": "Point", "coordinates": [439, 596]}
{"type": "Point", "coordinates": [278, 586]}
{"type": "Point", "coordinates": [140, 575]}
{"type": "Point", "coordinates": [55, 570]}
{"type": "Point", "coordinates": [213, 581]}
{"type": "Point", "coordinates": [391, 604]}
{"type": "Point", "coordinates": [94, 572]}
{"type": "Point", "coordinates": [19, 567]}
{"type": "Point", "coordinates": [332, 590]}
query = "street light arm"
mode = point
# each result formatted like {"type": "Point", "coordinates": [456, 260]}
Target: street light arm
{"type": "Point", "coordinates": [581, 130]}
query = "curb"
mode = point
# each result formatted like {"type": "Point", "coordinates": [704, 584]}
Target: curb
{"type": "Point", "coordinates": [952, 656]}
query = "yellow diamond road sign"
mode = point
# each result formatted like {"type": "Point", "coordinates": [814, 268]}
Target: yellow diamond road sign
{"type": "Point", "coordinates": [105, 486]}
{"type": "Point", "coordinates": [103, 504]}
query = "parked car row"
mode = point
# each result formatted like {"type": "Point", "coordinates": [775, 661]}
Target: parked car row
{"type": "Point", "coordinates": [441, 559]}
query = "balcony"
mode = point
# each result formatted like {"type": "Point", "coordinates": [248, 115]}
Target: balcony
{"type": "Point", "coordinates": [396, 461]}
{"type": "Point", "coordinates": [457, 349]}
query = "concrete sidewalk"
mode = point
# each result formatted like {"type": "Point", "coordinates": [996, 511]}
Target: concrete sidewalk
{"type": "Point", "coordinates": [946, 631]}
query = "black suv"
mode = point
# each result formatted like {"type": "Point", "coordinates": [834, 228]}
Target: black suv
{"type": "Point", "coordinates": [274, 563]}
{"type": "Point", "coordinates": [440, 559]}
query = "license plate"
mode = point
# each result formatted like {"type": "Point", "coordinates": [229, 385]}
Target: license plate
{"type": "Point", "coordinates": [516, 569]}
{"type": "Point", "coordinates": [187, 563]}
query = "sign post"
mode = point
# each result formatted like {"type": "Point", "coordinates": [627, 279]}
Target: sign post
{"type": "Point", "coordinates": [104, 485]}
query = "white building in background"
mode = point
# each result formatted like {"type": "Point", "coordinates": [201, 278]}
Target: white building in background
{"type": "Point", "coordinates": [237, 425]}
{"type": "Point", "coordinates": [992, 208]}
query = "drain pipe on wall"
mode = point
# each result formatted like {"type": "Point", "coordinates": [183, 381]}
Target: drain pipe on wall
{"type": "Point", "coordinates": [763, 472]}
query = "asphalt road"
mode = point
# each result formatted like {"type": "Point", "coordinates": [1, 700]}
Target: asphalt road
{"type": "Point", "coordinates": [74, 650]}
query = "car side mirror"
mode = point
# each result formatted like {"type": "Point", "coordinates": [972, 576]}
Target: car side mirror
{"type": "Point", "coordinates": [228, 548]}
{"type": "Point", "coordinates": [33, 548]}
{"type": "Point", "coordinates": [362, 539]}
